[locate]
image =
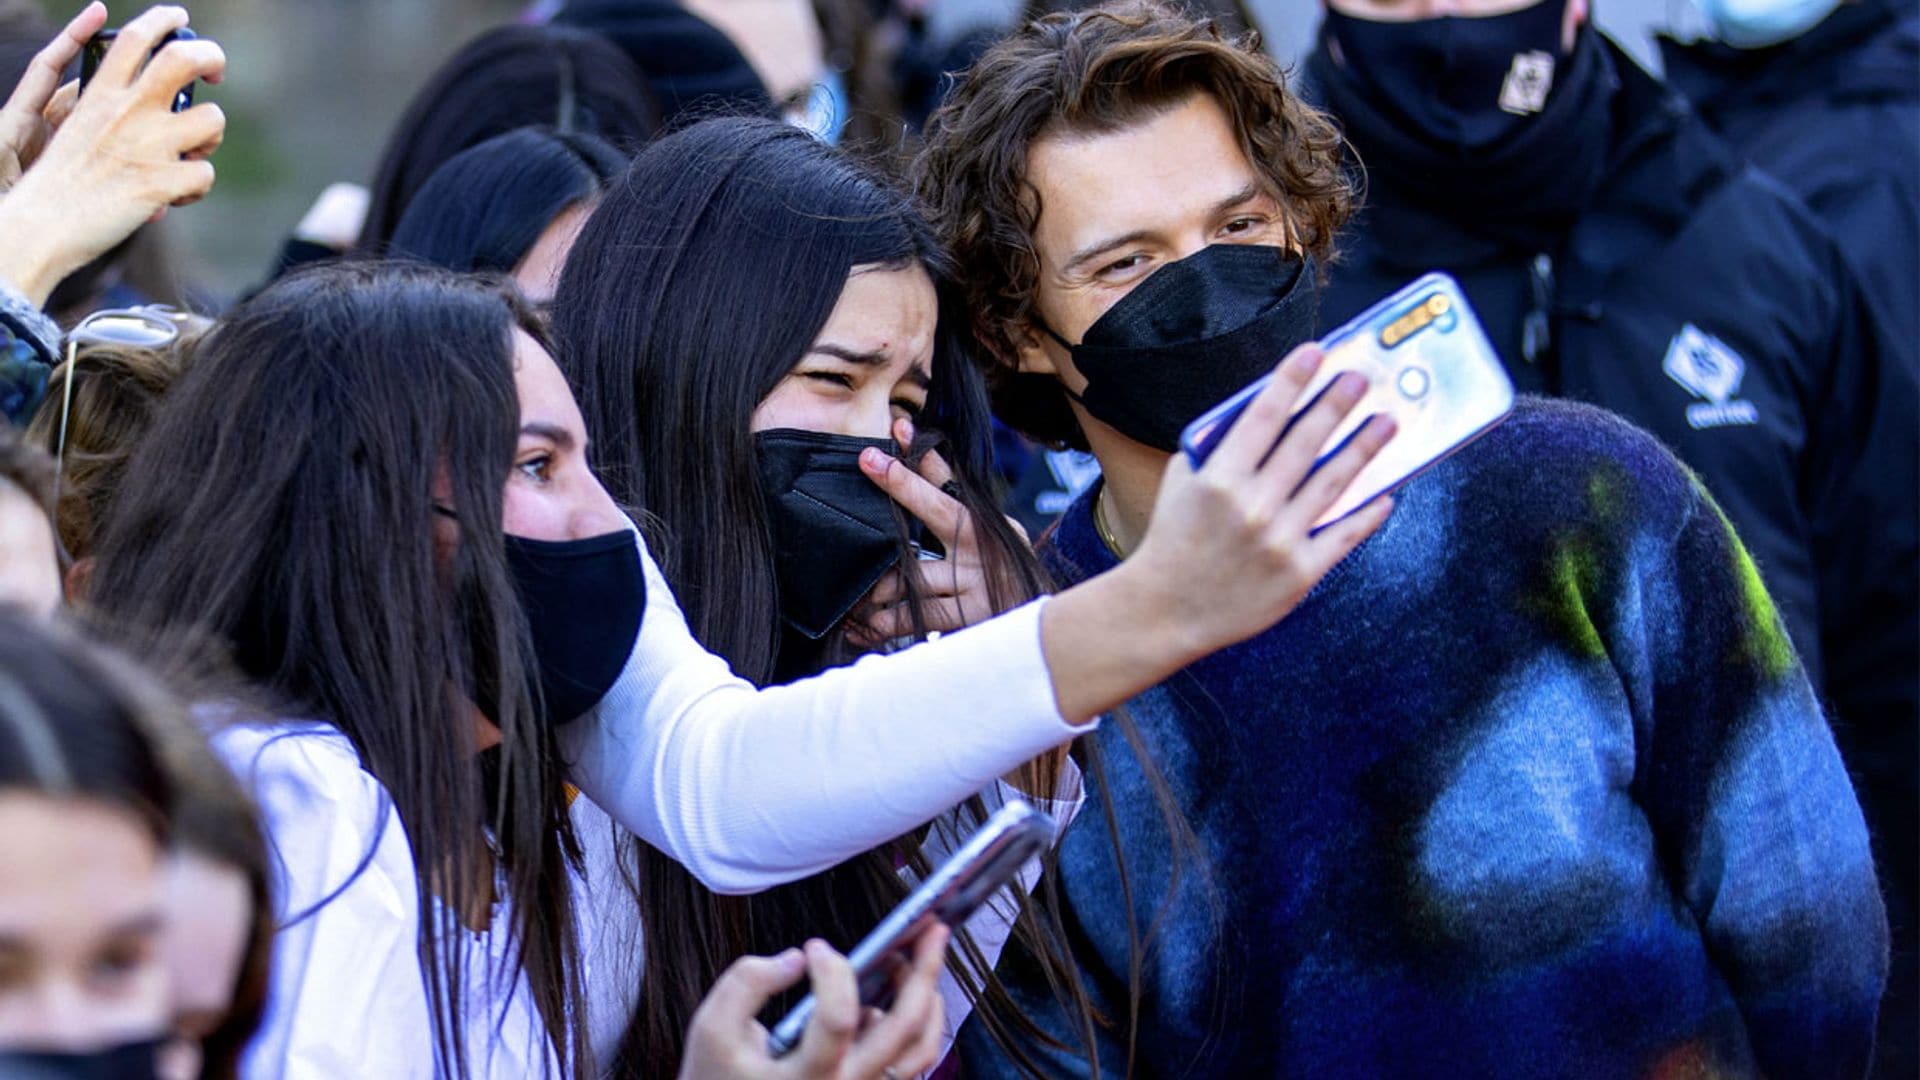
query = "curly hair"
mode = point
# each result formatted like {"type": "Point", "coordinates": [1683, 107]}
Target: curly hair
{"type": "Point", "coordinates": [1097, 71]}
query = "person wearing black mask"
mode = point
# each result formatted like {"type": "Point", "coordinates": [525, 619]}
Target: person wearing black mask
{"type": "Point", "coordinates": [1825, 97]}
{"type": "Point", "coordinates": [87, 808]}
{"type": "Point", "coordinates": [1619, 253]}
{"type": "Point", "coordinates": [1532, 784]}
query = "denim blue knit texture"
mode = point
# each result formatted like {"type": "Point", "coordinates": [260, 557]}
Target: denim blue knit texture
{"type": "Point", "coordinates": [1531, 785]}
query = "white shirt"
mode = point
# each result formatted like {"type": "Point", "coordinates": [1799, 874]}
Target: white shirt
{"type": "Point", "coordinates": [749, 788]}
{"type": "Point", "coordinates": [348, 997]}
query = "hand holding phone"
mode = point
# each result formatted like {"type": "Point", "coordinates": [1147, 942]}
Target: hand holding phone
{"type": "Point", "coordinates": [983, 866]}
{"type": "Point", "coordinates": [101, 43]}
{"type": "Point", "coordinates": [726, 1042]}
{"type": "Point", "coordinates": [1428, 365]}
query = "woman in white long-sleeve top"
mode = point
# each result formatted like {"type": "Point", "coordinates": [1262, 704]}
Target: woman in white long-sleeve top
{"type": "Point", "coordinates": [787, 559]}
{"type": "Point", "coordinates": [371, 493]}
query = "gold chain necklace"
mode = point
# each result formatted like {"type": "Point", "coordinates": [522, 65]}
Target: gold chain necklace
{"type": "Point", "coordinates": [1100, 525]}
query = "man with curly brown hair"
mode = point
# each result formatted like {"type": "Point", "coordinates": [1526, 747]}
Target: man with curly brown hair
{"type": "Point", "coordinates": [1533, 784]}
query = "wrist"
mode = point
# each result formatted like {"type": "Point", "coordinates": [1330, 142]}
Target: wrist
{"type": "Point", "coordinates": [29, 260]}
{"type": "Point", "coordinates": [1140, 598]}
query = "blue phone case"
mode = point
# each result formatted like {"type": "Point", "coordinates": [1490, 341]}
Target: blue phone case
{"type": "Point", "coordinates": [1428, 364]}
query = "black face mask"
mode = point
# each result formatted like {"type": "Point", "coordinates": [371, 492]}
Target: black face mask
{"type": "Point", "coordinates": [584, 600]}
{"type": "Point", "coordinates": [835, 532]}
{"type": "Point", "coordinates": [1191, 335]}
{"type": "Point", "coordinates": [1514, 180]}
{"type": "Point", "coordinates": [1468, 83]}
{"type": "Point", "coordinates": [132, 1061]}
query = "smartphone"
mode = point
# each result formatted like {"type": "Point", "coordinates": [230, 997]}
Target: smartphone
{"type": "Point", "coordinates": [984, 865]}
{"type": "Point", "coordinates": [1428, 364]}
{"type": "Point", "coordinates": [96, 51]}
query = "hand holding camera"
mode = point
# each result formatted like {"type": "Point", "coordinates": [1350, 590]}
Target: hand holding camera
{"type": "Point", "coordinates": [91, 168]}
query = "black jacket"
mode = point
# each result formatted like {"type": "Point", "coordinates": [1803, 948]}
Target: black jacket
{"type": "Point", "coordinates": [1835, 115]}
{"type": "Point", "coordinates": [1704, 302]}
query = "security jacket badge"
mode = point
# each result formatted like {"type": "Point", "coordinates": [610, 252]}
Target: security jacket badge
{"type": "Point", "coordinates": [1712, 371]}
{"type": "Point", "coordinates": [1528, 82]}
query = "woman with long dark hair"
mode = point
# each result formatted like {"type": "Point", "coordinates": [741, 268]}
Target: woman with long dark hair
{"type": "Point", "coordinates": [511, 205]}
{"type": "Point", "coordinates": [510, 77]}
{"type": "Point", "coordinates": [752, 322]}
{"type": "Point", "coordinates": [786, 558]}
{"type": "Point", "coordinates": [354, 425]}
{"type": "Point", "coordinates": [370, 492]}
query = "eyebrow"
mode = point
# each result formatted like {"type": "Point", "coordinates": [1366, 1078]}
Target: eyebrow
{"type": "Point", "coordinates": [554, 433]}
{"type": "Point", "coordinates": [915, 374]}
{"type": "Point", "coordinates": [147, 922]}
{"type": "Point", "coordinates": [1101, 247]}
{"type": "Point", "coordinates": [143, 923]}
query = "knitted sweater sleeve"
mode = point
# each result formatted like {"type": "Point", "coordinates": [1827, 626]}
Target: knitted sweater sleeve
{"type": "Point", "coordinates": [1751, 807]}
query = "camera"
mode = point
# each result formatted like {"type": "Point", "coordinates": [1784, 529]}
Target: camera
{"type": "Point", "coordinates": [96, 51]}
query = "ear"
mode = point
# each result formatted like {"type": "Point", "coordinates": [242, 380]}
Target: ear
{"type": "Point", "coordinates": [77, 577]}
{"type": "Point", "coordinates": [1033, 352]}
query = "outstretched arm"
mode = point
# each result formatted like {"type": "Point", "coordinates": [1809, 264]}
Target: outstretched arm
{"type": "Point", "coordinates": [751, 788]}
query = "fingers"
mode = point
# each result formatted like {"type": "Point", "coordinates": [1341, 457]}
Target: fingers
{"type": "Point", "coordinates": [1327, 484]}
{"type": "Point", "coordinates": [200, 130]}
{"type": "Point", "coordinates": [1338, 540]}
{"type": "Point", "coordinates": [136, 41]}
{"type": "Point", "coordinates": [751, 981]}
{"type": "Point", "coordinates": [188, 182]}
{"type": "Point", "coordinates": [941, 613]}
{"type": "Point", "coordinates": [61, 106]}
{"type": "Point", "coordinates": [888, 591]}
{"type": "Point", "coordinates": [42, 79]}
{"type": "Point", "coordinates": [178, 65]}
{"type": "Point", "coordinates": [940, 512]}
{"type": "Point", "coordinates": [1247, 443]}
{"type": "Point", "coordinates": [836, 1013]}
{"type": "Point", "coordinates": [1293, 459]}
{"type": "Point", "coordinates": [899, 1040]}
{"type": "Point", "coordinates": [932, 465]}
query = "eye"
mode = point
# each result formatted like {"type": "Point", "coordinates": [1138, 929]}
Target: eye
{"type": "Point", "coordinates": [536, 468]}
{"type": "Point", "coordinates": [1241, 226]}
{"type": "Point", "coordinates": [118, 964]}
{"type": "Point", "coordinates": [1120, 268]}
{"type": "Point", "coordinates": [909, 408]}
{"type": "Point", "coordinates": [836, 378]}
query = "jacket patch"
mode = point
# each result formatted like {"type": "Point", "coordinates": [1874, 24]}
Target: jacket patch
{"type": "Point", "coordinates": [1528, 82]}
{"type": "Point", "coordinates": [1710, 370]}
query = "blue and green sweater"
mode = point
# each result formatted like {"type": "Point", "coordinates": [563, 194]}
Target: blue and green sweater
{"type": "Point", "coordinates": [1531, 785]}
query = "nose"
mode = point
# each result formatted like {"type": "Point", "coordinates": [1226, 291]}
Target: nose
{"type": "Point", "coordinates": [58, 1013]}
{"type": "Point", "coordinates": [594, 512]}
{"type": "Point", "coordinates": [874, 419]}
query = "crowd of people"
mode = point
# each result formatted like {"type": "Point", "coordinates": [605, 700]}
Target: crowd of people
{"type": "Point", "coordinates": [596, 575]}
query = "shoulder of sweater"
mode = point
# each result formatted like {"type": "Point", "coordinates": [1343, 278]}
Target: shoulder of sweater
{"type": "Point", "coordinates": [1552, 456]}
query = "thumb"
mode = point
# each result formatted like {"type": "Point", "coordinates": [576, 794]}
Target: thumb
{"type": "Point", "coordinates": [746, 986]}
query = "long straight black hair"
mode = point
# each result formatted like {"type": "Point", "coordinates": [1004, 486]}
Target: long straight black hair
{"type": "Point", "coordinates": [509, 77]}
{"type": "Point", "coordinates": [484, 209]}
{"type": "Point", "coordinates": [706, 274]}
{"type": "Point", "coordinates": [281, 512]}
